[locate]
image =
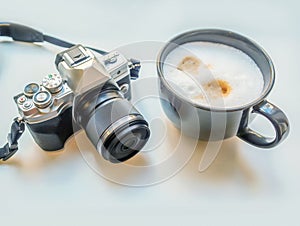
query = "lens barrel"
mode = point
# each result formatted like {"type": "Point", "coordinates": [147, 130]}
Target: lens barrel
{"type": "Point", "coordinates": [113, 125]}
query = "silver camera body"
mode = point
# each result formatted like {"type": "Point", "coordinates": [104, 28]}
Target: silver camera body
{"type": "Point", "coordinates": [81, 69]}
{"type": "Point", "coordinates": [41, 102]}
{"type": "Point", "coordinates": [47, 107]}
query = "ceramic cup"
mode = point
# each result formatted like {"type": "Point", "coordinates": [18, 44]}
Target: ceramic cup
{"type": "Point", "coordinates": [221, 123]}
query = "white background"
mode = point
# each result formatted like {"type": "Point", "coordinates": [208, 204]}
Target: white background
{"type": "Point", "coordinates": [244, 186]}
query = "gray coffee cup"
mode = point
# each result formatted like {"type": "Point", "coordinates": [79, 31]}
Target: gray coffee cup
{"type": "Point", "coordinates": [233, 121]}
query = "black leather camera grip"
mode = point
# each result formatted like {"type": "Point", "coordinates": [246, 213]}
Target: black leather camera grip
{"type": "Point", "coordinates": [278, 119]}
{"type": "Point", "coordinates": [52, 134]}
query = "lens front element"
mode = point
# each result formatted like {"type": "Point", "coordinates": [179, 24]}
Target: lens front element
{"type": "Point", "coordinates": [121, 142]}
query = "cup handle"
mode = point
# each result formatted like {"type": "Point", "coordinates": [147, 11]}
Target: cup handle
{"type": "Point", "coordinates": [275, 116]}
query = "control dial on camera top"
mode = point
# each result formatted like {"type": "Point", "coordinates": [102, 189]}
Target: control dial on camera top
{"type": "Point", "coordinates": [53, 82]}
{"type": "Point", "coordinates": [42, 99]}
{"type": "Point", "coordinates": [31, 89]}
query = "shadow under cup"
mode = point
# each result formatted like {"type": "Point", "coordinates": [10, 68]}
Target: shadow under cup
{"type": "Point", "coordinates": [221, 123]}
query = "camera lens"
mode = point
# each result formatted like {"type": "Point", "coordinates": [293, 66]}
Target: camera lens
{"type": "Point", "coordinates": [124, 138]}
{"type": "Point", "coordinates": [113, 125]}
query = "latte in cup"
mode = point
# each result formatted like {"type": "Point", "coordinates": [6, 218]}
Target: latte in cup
{"type": "Point", "coordinates": [213, 75]}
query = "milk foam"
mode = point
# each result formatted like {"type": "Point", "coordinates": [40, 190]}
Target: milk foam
{"type": "Point", "coordinates": [225, 77]}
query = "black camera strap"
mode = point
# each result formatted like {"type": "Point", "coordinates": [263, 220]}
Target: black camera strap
{"type": "Point", "coordinates": [23, 33]}
{"type": "Point", "coordinates": [27, 34]}
{"type": "Point", "coordinates": [11, 147]}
